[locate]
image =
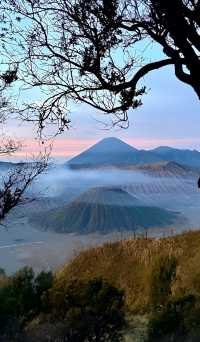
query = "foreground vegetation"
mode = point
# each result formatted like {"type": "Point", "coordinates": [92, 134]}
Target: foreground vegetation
{"type": "Point", "coordinates": [134, 290]}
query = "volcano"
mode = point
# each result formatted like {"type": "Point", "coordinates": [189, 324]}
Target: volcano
{"type": "Point", "coordinates": [105, 210]}
{"type": "Point", "coordinates": [111, 152]}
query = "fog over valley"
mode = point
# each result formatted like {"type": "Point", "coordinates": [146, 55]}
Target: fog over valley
{"type": "Point", "coordinates": [69, 209]}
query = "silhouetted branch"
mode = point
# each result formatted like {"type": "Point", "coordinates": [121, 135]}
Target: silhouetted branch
{"type": "Point", "coordinates": [9, 146]}
{"type": "Point", "coordinates": [86, 51]}
{"type": "Point", "coordinates": [17, 182]}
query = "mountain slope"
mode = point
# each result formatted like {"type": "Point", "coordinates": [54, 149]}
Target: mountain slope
{"type": "Point", "coordinates": [111, 152]}
{"type": "Point", "coordinates": [127, 264]}
{"type": "Point", "coordinates": [105, 210]}
{"type": "Point", "coordinates": [184, 157]}
{"type": "Point", "coordinates": [167, 169]}
{"type": "Point", "coordinates": [7, 165]}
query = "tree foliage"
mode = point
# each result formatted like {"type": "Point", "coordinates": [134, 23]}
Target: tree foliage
{"type": "Point", "coordinates": [82, 311]}
{"type": "Point", "coordinates": [87, 51]}
{"type": "Point", "coordinates": [90, 311]}
{"type": "Point", "coordinates": [21, 298]}
{"type": "Point", "coordinates": [16, 182]}
{"type": "Point", "coordinates": [171, 322]}
{"type": "Point", "coordinates": [19, 178]}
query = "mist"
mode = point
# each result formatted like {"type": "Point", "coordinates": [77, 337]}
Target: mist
{"type": "Point", "coordinates": [63, 182]}
{"type": "Point", "coordinates": [58, 180]}
{"type": "Point", "coordinates": [22, 244]}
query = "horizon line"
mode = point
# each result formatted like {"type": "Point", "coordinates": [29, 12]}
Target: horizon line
{"type": "Point", "coordinates": [69, 147]}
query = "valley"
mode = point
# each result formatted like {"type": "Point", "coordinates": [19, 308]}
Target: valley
{"type": "Point", "coordinates": [70, 210]}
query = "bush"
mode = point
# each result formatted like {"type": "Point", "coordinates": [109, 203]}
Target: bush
{"type": "Point", "coordinates": [2, 272]}
{"type": "Point", "coordinates": [162, 274]}
{"type": "Point", "coordinates": [33, 308]}
{"type": "Point", "coordinates": [21, 298]}
{"type": "Point", "coordinates": [171, 322]}
{"type": "Point", "coordinates": [91, 311]}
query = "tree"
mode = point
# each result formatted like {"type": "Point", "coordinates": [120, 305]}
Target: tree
{"type": "Point", "coordinates": [43, 282]}
{"type": "Point", "coordinates": [21, 297]}
{"type": "Point", "coordinates": [81, 311]}
{"type": "Point", "coordinates": [17, 182]}
{"type": "Point", "coordinates": [70, 49]}
{"type": "Point", "coordinates": [172, 316]}
{"type": "Point", "coordinates": [18, 179]}
{"type": "Point", "coordinates": [88, 311]}
{"type": "Point", "coordinates": [8, 146]}
{"type": "Point", "coordinates": [175, 26]}
{"type": "Point", "coordinates": [178, 320]}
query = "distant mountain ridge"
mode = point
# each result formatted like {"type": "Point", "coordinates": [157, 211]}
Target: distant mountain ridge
{"type": "Point", "coordinates": [7, 165]}
{"type": "Point", "coordinates": [166, 169]}
{"type": "Point", "coordinates": [184, 157]}
{"type": "Point", "coordinates": [113, 152]}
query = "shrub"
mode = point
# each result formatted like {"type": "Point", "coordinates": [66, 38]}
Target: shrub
{"type": "Point", "coordinates": [162, 274]}
{"type": "Point", "coordinates": [91, 311]}
{"type": "Point", "coordinates": [169, 323]}
{"type": "Point", "coordinates": [21, 297]}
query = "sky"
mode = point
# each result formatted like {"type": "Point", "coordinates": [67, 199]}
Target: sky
{"type": "Point", "coordinates": [170, 116]}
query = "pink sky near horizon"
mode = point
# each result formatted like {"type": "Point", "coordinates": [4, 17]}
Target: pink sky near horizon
{"type": "Point", "coordinates": [170, 116]}
{"type": "Point", "coordinates": [69, 147]}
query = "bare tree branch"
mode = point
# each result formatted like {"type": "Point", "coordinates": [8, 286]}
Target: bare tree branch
{"type": "Point", "coordinates": [86, 51]}
{"type": "Point", "coordinates": [17, 182]}
{"type": "Point", "coordinates": [9, 146]}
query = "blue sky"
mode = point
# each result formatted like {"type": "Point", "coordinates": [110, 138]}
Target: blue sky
{"type": "Point", "coordinates": [170, 115]}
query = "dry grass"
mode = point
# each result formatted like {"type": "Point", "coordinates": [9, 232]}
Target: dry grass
{"type": "Point", "coordinates": [128, 263]}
